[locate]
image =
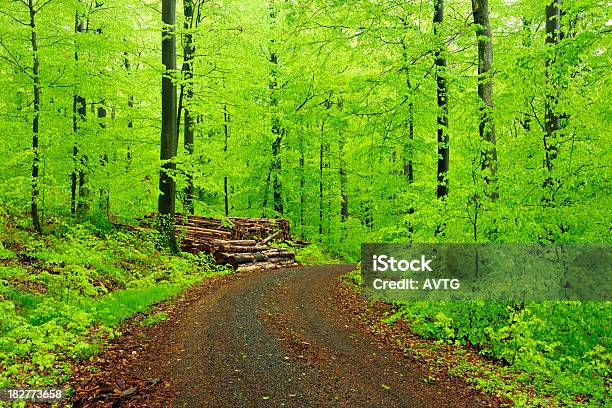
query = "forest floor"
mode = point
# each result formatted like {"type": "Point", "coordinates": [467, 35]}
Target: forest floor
{"type": "Point", "coordinates": [293, 337]}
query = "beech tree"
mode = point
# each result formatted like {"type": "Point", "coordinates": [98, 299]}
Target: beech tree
{"type": "Point", "coordinates": [277, 130]}
{"type": "Point", "coordinates": [552, 121]}
{"type": "Point", "coordinates": [187, 95]}
{"type": "Point", "coordinates": [36, 116]}
{"type": "Point", "coordinates": [442, 93]}
{"type": "Point", "coordinates": [169, 141]}
{"type": "Point", "coordinates": [480, 9]}
{"type": "Point", "coordinates": [79, 112]}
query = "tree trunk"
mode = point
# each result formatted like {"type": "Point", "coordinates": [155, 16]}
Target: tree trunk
{"type": "Point", "coordinates": [277, 132]}
{"type": "Point", "coordinates": [79, 110]}
{"type": "Point", "coordinates": [302, 184]}
{"type": "Point", "coordinates": [344, 210]}
{"type": "Point", "coordinates": [130, 116]}
{"type": "Point", "coordinates": [35, 119]}
{"type": "Point", "coordinates": [552, 122]}
{"type": "Point", "coordinates": [188, 136]}
{"type": "Point", "coordinates": [442, 92]}
{"type": "Point", "coordinates": [104, 190]}
{"type": "Point", "coordinates": [226, 119]}
{"type": "Point", "coordinates": [409, 129]}
{"type": "Point", "coordinates": [168, 145]}
{"type": "Point", "coordinates": [526, 43]}
{"type": "Point", "coordinates": [321, 186]}
{"type": "Point", "coordinates": [276, 183]}
{"type": "Point", "coordinates": [480, 10]}
{"type": "Point", "coordinates": [328, 104]}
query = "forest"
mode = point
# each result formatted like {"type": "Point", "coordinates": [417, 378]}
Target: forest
{"type": "Point", "coordinates": [359, 121]}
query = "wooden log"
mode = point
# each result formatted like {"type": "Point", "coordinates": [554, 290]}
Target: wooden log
{"type": "Point", "coordinates": [224, 258]}
{"type": "Point", "coordinates": [197, 236]}
{"type": "Point", "coordinates": [281, 261]}
{"type": "Point", "coordinates": [257, 266]}
{"type": "Point", "coordinates": [280, 252]}
{"type": "Point", "coordinates": [214, 232]}
{"type": "Point", "coordinates": [241, 242]}
{"type": "Point", "coordinates": [239, 259]}
{"type": "Point", "coordinates": [202, 225]}
{"type": "Point", "coordinates": [270, 237]}
{"type": "Point", "coordinates": [200, 221]}
{"type": "Point", "coordinates": [241, 248]}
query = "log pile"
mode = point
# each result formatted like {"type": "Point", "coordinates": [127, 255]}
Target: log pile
{"type": "Point", "coordinates": [243, 244]}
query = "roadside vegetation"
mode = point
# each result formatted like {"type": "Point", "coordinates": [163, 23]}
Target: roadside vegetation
{"type": "Point", "coordinates": [558, 350]}
{"type": "Point", "coordinates": [63, 297]}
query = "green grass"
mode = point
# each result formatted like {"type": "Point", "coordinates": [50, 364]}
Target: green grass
{"type": "Point", "coordinates": [114, 308]}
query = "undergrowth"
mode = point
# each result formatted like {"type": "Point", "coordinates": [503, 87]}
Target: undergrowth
{"type": "Point", "coordinates": [559, 349]}
{"type": "Point", "coordinates": [311, 254]}
{"type": "Point", "coordinates": [64, 295]}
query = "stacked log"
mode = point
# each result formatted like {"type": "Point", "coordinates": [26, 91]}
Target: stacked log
{"type": "Point", "coordinates": [244, 245]}
{"type": "Point", "coordinates": [276, 256]}
{"type": "Point", "coordinates": [261, 228]}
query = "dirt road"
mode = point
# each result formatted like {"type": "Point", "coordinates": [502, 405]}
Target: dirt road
{"type": "Point", "coordinates": [280, 338]}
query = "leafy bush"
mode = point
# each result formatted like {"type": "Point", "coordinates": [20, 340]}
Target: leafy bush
{"type": "Point", "coordinates": [562, 347]}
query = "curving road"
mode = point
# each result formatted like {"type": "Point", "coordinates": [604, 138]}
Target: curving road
{"type": "Point", "coordinates": [280, 338]}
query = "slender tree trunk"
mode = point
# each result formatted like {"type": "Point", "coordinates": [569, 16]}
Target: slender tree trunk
{"type": "Point", "coordinates": [526, 43]}
{"type": "Point", "coordinates": [409, 129]}
{"type": "Point", "coordinates": [188, 135]}
{"type": "Point", "coordinates": [264, 206]}
{"type": "Point", "coordinates": [277, 132]}
{"type": "Point", "coordinates": [344, 209]}
{"type": "Point", "coordinates": [480, 10]}
{"type": "Point", "coordinates": [321, 183]}
{"type": "Point", "coordinates": [226, 119]}
{"type": "Point", "coordinates": [276, 183]}
{"type": "Point", "coordinates": [168, 146]}
{"type": "Point", "coordinates": [83, 200]}
{"type": "Point", "coordinates": [130, 116]}
{"type": "Point", "coordinates": [302, 184]}
{"type": "Point", "coordinates": [408, 163]}
{"type": "Point", "coordinates": [442, 92]}
{"type": "Point", "coordinates": [104, 190]}
{"type": "Point", "coordinates": [79, 110]}
{"type": "Point", "coordinates": [35, 119]}
{"type": "Point", "coordinates": [567, 29]}
{"type": "Point", "coordinates": [328, 104]}
{"type": "Point", "coordinates": [83, 204]}
{"type": "Point", "coordinates": [552, 121]}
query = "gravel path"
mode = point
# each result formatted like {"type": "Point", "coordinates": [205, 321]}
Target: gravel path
{"type": "Point", "coordinates": [280, 338]}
